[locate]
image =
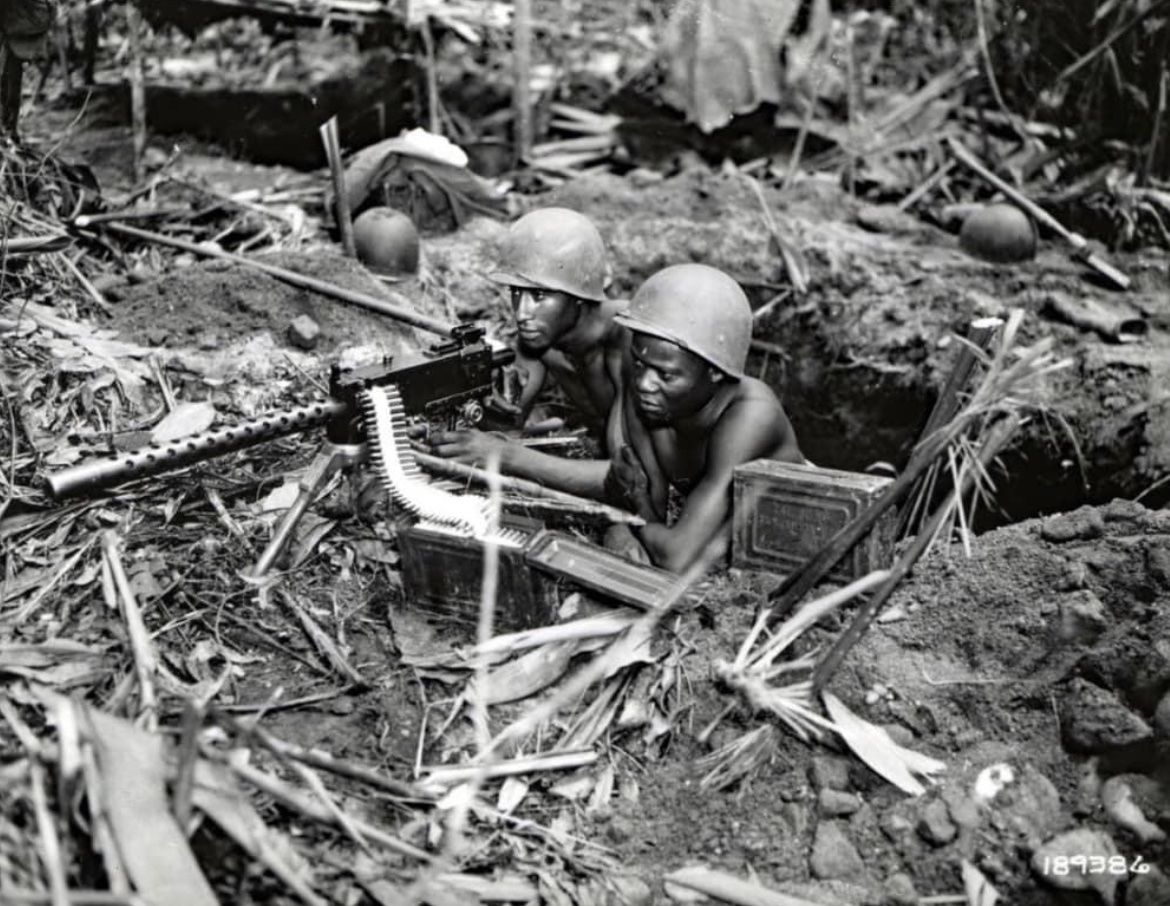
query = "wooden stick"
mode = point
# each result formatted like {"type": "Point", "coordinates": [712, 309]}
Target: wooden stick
{"type": "Point", "coordinates": [730, 889]}
{"type": "Point", "coordinates": [324, 760]}
{"type": "Point", "coordinates": [431, 74]}
{"type": "Point", "coordinates": [981, 334]}
{"type": "Point", "coordinates": [796, 585]}
{"type": "Point", "coordinates": [188, 756]}
{"type": "Point", "coordinates": [581, 505]}
{"type": "Point", "coordinates": [332, 142]}
{"type": "Point", "coordinates": [926, 186]}
{"type": "Point", "coordinates": [400, 309]}
{"type": "Point", "coordinates": [550, 761]}
{"type": "Point", "coordinates": [997, 436]}
{"type": "Point", "coordinates": [297, 800]}
{"type": "Point", "coordinates": [145, 660]}
{"type": "Point", "coordinates": [134, 26]}
{"type": "Point", "coordinates": [72, 897]}
{"type": "Point", "coordinates": [47, 831]}
{"type": "Point", "coordinates": [1078, 242]}
{"type": "Point", "coordinates": [521, 75]}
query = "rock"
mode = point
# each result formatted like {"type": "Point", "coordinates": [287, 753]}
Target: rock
{"type": "Point", "coordinates": [1117, 798]}
{"type": "Point", "coordinates": [1054, 862]}
{"type": "Point", "coordinates": [1162, 716]}
{"type": "Point", "coordinates": [833, 854]}
{"type": "Point", "coordinates": [795, 817]}
{"type": "Point", "coordinates": [935, 825]}
{"type": "Point", "coordinates": [631, 891]}
{"type": "Point", "coordinates": [1082, 618]}
{"type": "Point", "coordinates": [899, 733]}
{"type": "Point", "coordinates": [899, 891]}
{"type": "Point", "coordinates": [1028, 806]}
{"type": "Point", "coordinates": [962, 808]}
{"type": "Point", "coordinates": [1119, 510]}
{"type": "Point", "coordinates": [304, 332]}
{"type": "Point", "coordinates": [1158, 563]}
{"type": "Point", "coordinates": [836, 803]}
{"type": "Point", "coordinates": [896, 826]}
{"type": "Point", "coordinates": [1093, 719]}
{"type": "Point", "coordinates": [1079, 525]}
{"type": "Point", "coordinates": [141, 274]}
{"type": "Point", "coordinates": [1149, 889]}
{"type": "Point", "coordinates": [1075, 576]}
{"type": "Point", "coordinates": [829, 772]}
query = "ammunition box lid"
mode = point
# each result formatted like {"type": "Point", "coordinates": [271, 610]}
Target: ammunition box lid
{"type": "Point", "coordinates": [601, 570]}
{"type": "Point", "coordinates": [808, 474]}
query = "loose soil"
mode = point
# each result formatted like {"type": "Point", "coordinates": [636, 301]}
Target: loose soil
{"type": "Point", "coordinates": [999, 658]}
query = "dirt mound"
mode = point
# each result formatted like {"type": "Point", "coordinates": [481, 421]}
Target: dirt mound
{"type": "Point", "coordinates": [1044, 647]}
{"type": "Point", "coordinates": [209, 304]}
{"type": "Point", "coordinates": [867, 348]}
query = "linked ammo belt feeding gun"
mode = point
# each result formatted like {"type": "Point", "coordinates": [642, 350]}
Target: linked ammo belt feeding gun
{"type": "Point", "coordinates": [366, 414]}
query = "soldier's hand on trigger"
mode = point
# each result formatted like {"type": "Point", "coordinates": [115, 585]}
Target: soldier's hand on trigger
{"type": "Point", "coordinates": [627, 484]}
{"type": "Point", "coordinates": [503, 407]}
{"type": "Point", "coordinates": [469, 446]}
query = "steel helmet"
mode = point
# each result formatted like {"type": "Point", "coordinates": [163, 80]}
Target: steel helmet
{"type": "Point", "coordinates": [556, 249]}
{"type": "Point", "coordinates": [386, 241]}
{"type": "Point", "coordinates": [698, 308]}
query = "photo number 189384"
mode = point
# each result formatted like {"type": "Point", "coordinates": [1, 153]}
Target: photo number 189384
{"type": "Point", "coordinates": [1093, 865]}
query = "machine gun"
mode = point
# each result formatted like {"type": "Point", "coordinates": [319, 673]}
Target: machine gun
{"type": "Point", "coordinates": [366, 415]}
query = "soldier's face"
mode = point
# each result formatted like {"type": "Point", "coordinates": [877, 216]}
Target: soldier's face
{"type": "Point", "coordinates": [543, 316]}
{"type": "Point", "coordinates": [668, 383]}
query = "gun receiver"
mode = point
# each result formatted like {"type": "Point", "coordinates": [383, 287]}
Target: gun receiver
{"type": "Point", "coordinates": [449, 382]}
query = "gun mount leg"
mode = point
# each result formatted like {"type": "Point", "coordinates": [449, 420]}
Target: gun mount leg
{"type": "Point", "coordinates": [329, 460]}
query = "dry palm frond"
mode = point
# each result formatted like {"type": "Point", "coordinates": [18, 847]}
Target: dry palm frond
{"type": "Point", "coordinates": [751, 674]}
{"type": "Point", "coordinates": [739, 758]}
{"type": "Point", "coordinates": [1014, 382]}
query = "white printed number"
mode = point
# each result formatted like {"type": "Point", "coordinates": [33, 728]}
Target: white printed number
{"type": "Point", "coordinates": [1093, 865]}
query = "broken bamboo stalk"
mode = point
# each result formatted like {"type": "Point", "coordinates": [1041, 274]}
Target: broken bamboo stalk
{"type": "Point", "coordinates": [1080, 245]}
{"type": "Point", "coordinates": [982, 333]}
{"type": "Point", "coordinates": [398, 309]}
{"type": "Point", "coordinates": [528, 488]}
{"type": "Point", "coordinates": [997, 436]}
{"type": "Point", "coordinates": [332, 142]}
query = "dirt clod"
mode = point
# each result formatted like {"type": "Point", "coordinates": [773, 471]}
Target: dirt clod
{"type": "Point", "coordinates": [1094, 719]}
{"type": "Point", "coordinates": [1079, 525]}
{"type": "Point", "coordinates": [303, 332]}
{"type": "Point", "coordinates": [834, 857]}
{"type": "Point", "coordinates": [837, 804]}
{"type": "Point", "coordinates": [935, 825]}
